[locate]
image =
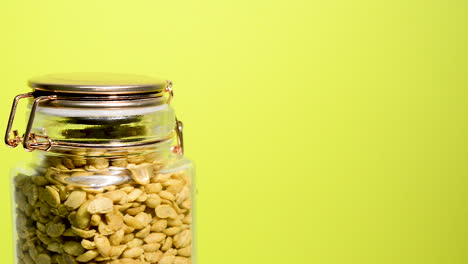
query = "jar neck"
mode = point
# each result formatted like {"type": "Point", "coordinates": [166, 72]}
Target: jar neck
{"type": "Point", "coordinates": [85, 158]}
{"type": "Point", "coordinates": [163, 148]}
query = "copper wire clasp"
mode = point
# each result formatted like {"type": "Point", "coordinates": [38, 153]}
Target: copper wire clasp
{"type": "Point", "coordinates": [170, 91]}
{"type": "Point", "coordinates": [29, 139]}
{"type": "Point", "coordinates": [179, 149]}
{"type": "Point", "coordinates": [14, 142]}
{"type": "Point", "coordinates": [30, 142]}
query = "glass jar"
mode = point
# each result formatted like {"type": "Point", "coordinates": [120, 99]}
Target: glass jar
{"type": "Point", "coordinates": [107, 182]}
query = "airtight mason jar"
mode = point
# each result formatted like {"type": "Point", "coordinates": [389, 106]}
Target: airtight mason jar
{"type": "Point", "coordinates": [107, 182]}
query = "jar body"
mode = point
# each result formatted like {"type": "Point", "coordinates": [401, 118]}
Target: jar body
{"type": "Point", "coordinates": [131, 205]}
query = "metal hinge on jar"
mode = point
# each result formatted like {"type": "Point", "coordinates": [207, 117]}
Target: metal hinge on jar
{"type": "Point", "coordinates": [32, 141]}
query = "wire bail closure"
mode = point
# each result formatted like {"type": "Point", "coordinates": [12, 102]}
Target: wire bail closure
{"type": "Point", "coordinates": [32, 141]}
{"type": "Point", "coordinates": [179, 149]}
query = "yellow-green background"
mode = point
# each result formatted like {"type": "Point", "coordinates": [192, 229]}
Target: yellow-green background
{"type": "Point", "coordinates": [323, 131]}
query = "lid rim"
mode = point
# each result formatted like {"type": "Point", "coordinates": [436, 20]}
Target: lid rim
{"type": "Point", "coordinates": [97, 84]}
{"type": "Point", "coordinates": [96, 90]}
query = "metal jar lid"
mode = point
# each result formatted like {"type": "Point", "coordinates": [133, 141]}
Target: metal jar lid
{"type": "Point", "coordinates": [98, 84]}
